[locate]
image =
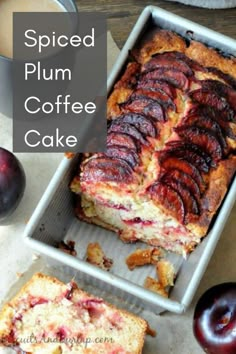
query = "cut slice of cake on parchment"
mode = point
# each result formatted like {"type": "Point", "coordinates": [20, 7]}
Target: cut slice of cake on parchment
{"type": "Point", "coordinates": [48, 316]}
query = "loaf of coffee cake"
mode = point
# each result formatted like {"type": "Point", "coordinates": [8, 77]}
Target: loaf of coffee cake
{"type": "Point", "coordinates": [170, 146]}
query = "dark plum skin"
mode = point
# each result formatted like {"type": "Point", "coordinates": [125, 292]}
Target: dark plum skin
{"type": "Point", "coordinates": [214, 322]}
{"type": "Point", "coordinates": [12, 183]}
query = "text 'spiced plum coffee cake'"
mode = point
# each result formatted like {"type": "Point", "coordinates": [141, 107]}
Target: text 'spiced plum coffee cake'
{"type": "Point", "coordinates": [49, 317]}
{"type": "Point", "coordinates": [170, 146]}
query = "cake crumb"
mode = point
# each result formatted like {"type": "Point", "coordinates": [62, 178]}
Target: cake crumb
{"type": "Point", "coordinates": [142, 257]}
{"type": "Point", "coordinates": [157, 254]}
{"type": "Point", "coordinates": [155, 286]}
{"type": "Point", "coordinates": [165, 273]}
{"type": "Point", "coordinates": [96, 256]}
{"type": "Point", "coordinates": [150, 332]}
{"type": "Point", "coordinates": [68, 247]}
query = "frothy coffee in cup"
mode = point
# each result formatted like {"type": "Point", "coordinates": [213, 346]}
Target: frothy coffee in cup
{"type": "Point", "coordinates": [7, 7]}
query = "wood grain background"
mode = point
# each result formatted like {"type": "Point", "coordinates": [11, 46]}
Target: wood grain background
{"type": "Point", "coordinates": [123, 14]}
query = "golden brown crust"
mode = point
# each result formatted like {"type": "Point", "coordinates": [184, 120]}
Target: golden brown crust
{"type": "Point", "coordinates": [119, 95]}
{"type": "Point", "coordinates": [128, 79]}
{"type": "Point", "coordinates": [158, 42]}
{"type": "Point", "coordinates": [219, 181]}
{"type": "Point", "coordinates": [209, 57]}
{"type": "Point", "coordinates": [122, 89]}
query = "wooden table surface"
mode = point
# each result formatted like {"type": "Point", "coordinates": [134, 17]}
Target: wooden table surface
{"type": "Point", "coordinates": [123, 14]}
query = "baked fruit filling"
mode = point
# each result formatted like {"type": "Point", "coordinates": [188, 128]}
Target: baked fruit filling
{"type": "Point", "coordinates": [50, 317]}
{"type": "Point", "coordinates": [170, 146]}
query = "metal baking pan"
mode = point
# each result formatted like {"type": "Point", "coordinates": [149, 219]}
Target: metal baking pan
{"type": "Point", "coordinates": [54, 220]}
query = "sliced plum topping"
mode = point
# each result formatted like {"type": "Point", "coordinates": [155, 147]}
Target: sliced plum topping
{"type": "Point", "coordinates": [107, 169]}
{"type": "Point", "coordinates": [171, 162]}
{"type": "Point", "coordinates": [174, 77]}
{"type": "Point", "coordinates": [129, 129]}
{"type": "Point", "coordinates": [181, 56]}
{"type": "Point", "coordinates": [226, 77]}
{"type": "Point", "coordinates": [191, 156]}
{"type": "Point", "coordinates": [212, 99]}
{"type": "Point", "coordinates": [123, 153]}
{"type": "Point", "coordinates": [190, 203]}
{"type": "Point", "coordinates": [120, 139]}
{"type": "Point", "coordinates": [185, 180]}
{"type": "Point", "coordinates": [170, 198]}
{"type": "Point", "coordinates": [207, 123]}
{"type": "Point", "coordinates": [165, 60]}
{"type": "Point", "coordinates": [157, 95]}
{"type": "Point", "coordinates": [146, 106]}
{"type": "Point", "coordinates": [203, 138]}
{"type": "Point", "coordinates": [222, 89]}
{"type": "Point", "coordinates": [220, 117]}
{"type": "Point", "coordinates": [180, 144]}
{"type": "Point", "coordinates": [212, 112]}
{"type": "Point", "coordinates": [144, 124]}
{"type": "Point", "coordinates": [157, 85]}
{"type": "Point", "coordinates": [155, 111]}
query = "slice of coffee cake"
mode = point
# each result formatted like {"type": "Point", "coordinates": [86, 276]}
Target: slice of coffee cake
{"type": "Point", "coordinates": [50, 317]}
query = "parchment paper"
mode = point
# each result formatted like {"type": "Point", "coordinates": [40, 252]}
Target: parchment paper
{"type": "Point", "coordinates": [174, 331]}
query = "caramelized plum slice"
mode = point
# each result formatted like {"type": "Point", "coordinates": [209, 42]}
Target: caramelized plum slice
{"type": "Point", "coordinates": [157, 95]}
{"type": "Point", "coordinates": [121, 140]}
{"type": "Point", "coordinates": [207, 123]}
{"type": "Point", "coordinates": [103, 169]}
{"type": "Point", "coordinates": [174, 77]}
{"type": "Point", "coordinates": [226, 77]}
{"type": "Point", "coordinates": [164, 60]}
{"type": "Point", "coordinates": [181, 56]}
{"type": "Point", "coordinates": [157, 85]}
{"type": "Point", "coordinates": [126, 128]}
{"type": "Point", "coordinates": [220, 117]}
{"type": "Point", "coordinates": [146, 106]}
{"type": "Point", "coordinates": [171, 199]}
{"type": "Point", "coordinates": [155, 111]}
{"type": "Point", "coordinates": [180, 144]}
{"type": "Point", "coordinates": [211, 99]}
{"type": "Point", "coordinates": [227, 115]}
{"type": "Point", "coordinates": [222, 90]}
{"type": "Point", "coordinates": [191, 156]}
{"type": "Point", "coordinates": [142, 123]}
{"type": "Point", "coordinates": [190, 203]}
{"type": "Point", "coordinates": [120, 152]}
{"type": "Point", "coordinates": [203, 138]}
{"type": "Point", "coordinates": [185, 180]}
{"type": "Point", "coordinates": [171, 162]}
